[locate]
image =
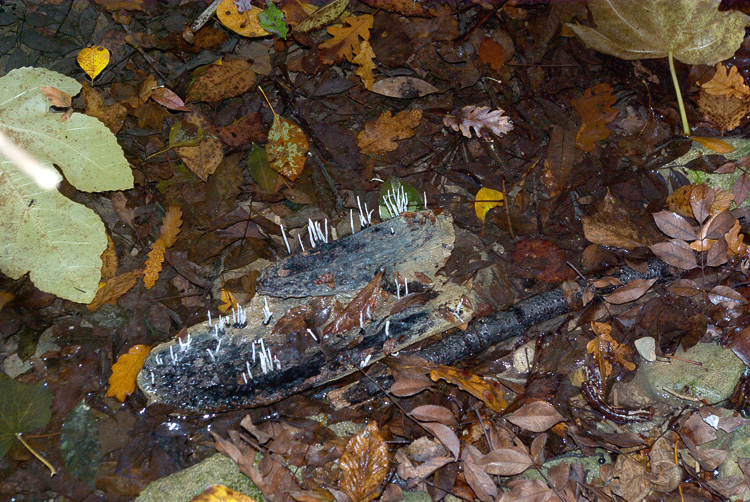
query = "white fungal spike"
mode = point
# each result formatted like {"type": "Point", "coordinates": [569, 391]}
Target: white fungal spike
{"type": "Point", "coordinates": [171, 352]}
{"type": "Point", "coordinates": [387, 325]}
{"type": "Point", "coordinates": [311, 232]}
{"type": "Point", "coordinates": [365, 361]}
{"type": "Point", "coordinates": [277, 362]}
{"type": "Point", "coordinates": [209, 321]}
{"type": "Point", "coordinates": [152, 378]}
{"type": "Point", "coordinates": [302, 246]}
{"type": "Point", "coordinates": [218, 345]}
{"type": "Point", "coordinates": [283, 234]}
{"type": "Point", "coordinates": [406, 286]}
{"type": "Point", "coordinates": [158, 359]}
{"type": "Point", "coordinates": [424, 199]}
{"type": "Point", "coordinates": [253, 351]}
{"type": "Point", "coordinates": [249, 373]}
{"type": "Point", "coordinates": [398, 289]}
{"type": "Point", "coordinates": [309, 331]}
{"type": "Point", "coordinates": [213, 357]}
{"type": "Point", "coordinates": [351, 219]}
{"type": "Point", "coordinates": [266, 313]}
{"type": "Point", "coordinates": [361, 321]}
{"type": "Point", "coordinates": [244, 377]}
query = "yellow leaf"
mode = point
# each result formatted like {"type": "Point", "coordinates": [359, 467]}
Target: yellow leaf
{"type": "Point", "coordinates": [345, 39]}
{"type": "Point", "coordinates": [93, 60]}
{"type": "Point", "coordinates": [485, 200]}
{"type": "Point", "coordinates": [220, 493]}
{"type": "Point", "coordinates": [489, 392]}
{"type": "Point", "coordinates": [364, 61]}
{"type": "Point", "coordinates": [364, 464]}
{"type": "Point", "coordinates": [125, 371]}
{"type": "Point", "coordinates": [227, 301]}
{"type": "Point", "coordinates": [287, 147]}
{"type": "Point", "coordinates": [715, 144]}
{"type": "Point", "coordinates": [242, 23]}
{"type": "Point", "coordinates": [381, 135]}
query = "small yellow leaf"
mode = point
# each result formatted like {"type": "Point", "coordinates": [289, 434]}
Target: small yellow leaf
{"type": "Point", "coordinates": [227, 301]}
{"type": "Point", "coordinates": [153, 263]}
{"type": "Point", "coordinates": [365, 63]}
{"type": "Point", "coordinates": [220, 493]}
{"type": "Point", "coordinates": [125, 371]}
{"type": "Point", "coordinates": [242, 23]}
{"type": "Point", "coordinates": [93, 60]}
{"type": "Point", "coordinates": [485, 200]}
{"type": "Point", "coordinates": [715, 144]}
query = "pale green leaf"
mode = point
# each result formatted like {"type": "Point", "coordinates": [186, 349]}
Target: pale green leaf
{"type": "Point", "coordinates": [694, 30]}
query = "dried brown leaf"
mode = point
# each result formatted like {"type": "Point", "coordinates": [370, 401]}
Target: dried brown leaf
{"type": "Point", "coordinates": [446, 436]}
{"type": "Point", "coordinates": [506, 461]}
{"type": "Point", "coordinates": [479, 481]}
{"type": "Point", "coordinates": [595, 109]}
{"type": "Point", "coordinates": [380, 136]}
{"type": "Point", "coordinates": [676, 253]}
{"type": "Point", "coordinates": [674, 225]}
{"type": "Point", "coordinates": [434, 413]}
{"type": "Point", "coordinates": [479, 118]}
{"type": "Point", "coordinates": [729, 84]}
{"type": "Point", "coordinates": [630, 292]}
{"type": "Point", "coordinates": [536, 416]}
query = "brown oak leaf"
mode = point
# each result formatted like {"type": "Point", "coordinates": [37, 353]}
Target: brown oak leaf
{"type": "Point", "coordinates": [381, 135]}
{"type": "Point", "coordinates": [595, 108]}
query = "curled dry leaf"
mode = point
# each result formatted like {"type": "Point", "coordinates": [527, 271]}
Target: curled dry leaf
{"type": "Point", "coordinates": [364, 464]}
{"type": "Point", "coordinates": [479, 118]}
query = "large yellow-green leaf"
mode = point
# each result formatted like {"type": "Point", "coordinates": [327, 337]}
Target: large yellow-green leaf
{"type": "Point", "coordinates": [57, 241]}
{"type": "Point", "coordinates": [83, 147]}
{"type": "Point", "coordinates": [694, 30]}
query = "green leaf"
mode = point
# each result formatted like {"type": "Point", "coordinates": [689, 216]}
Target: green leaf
{"type": "Point", "coordinates": [43, 233]}
{"type": "Point", "coordinates": [261, 171]}
{"type": "Point", "coordinates": [695, 31]}
{"type": "Point", "coordinates": [185, 134]}
{"type": "Point", "coordinates": [79, 443]}
{"type": "Point", "coordinates": [394, 189]}
{"type": "Point", "coordinates": [22, 408]}
{"type": "Point", "coordinates": [272, 20]}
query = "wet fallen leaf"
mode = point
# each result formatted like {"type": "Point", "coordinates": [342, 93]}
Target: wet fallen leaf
{"type": "Point", "coordinates": [170, 227]}
{"type": "Point", "coordinates": [380, 136]}
{"type": "Point", "coordinates": [93, 60]}
{"type": "Point", "coordinates": [221, 80]}
{"type": "Point", "coordinates": [167, 98]}
{"type": "Point", "coordinates": [243, 23]}
{"type": "Point", "coordinates": [364, 464]}
{"type": "Point", "coordinates": [345, 42]}
{"type": "Point", "coordinates": [473, 384]}
{"type": "Point", "coordinates": [492, 52]}
{"type": "Point", "coordinates": [23, 408]}
{"type": "Point", "coordinates": [630, 292]}
{"type": "Point", "coordinates": [595, 109]}
{"type": "Point", "coordinates": [287, 147]}
{"type": "Point", "coordinates": [434, 413]}
{"type": "Point", "coordinates": [480, 118]}
{"type": "Point", "coordinates": [365, 64]}
{"type": "Point", "coordinates": [113, 116]}
{"type": "Point", "coordinates": [618, 226]}
{"type": "Point", "coordinates": [446, 436]}
{"type": "Point", "coordinates": [715, 144]}
{"type": "Point", "coordinates": [125, 371]}
{"type": "Point", "coordinates": [725, 112]}
{"type": "Point", "coordinates": [536, 416]}
{"type": "Point", "coordinates": [257, 164]}
{"type": "Point", "coordinates": [323, 16]}
{"type": "Point", "coordinates": [273, 21]}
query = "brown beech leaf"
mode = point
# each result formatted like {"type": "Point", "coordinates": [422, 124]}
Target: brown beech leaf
{"type": "Point", "coordinates": [445, 435]}
{"type": "Point", "coordinates": [526, 490]}
{"type": "Point", "coordinates": [741, 189]}
{"type": "Point", "coordinates": [722, 294]}
{"type": "Point", "coordinates": [718, 225]}
{"type": "Point", "coordinates": [618, 226]}
{"type": "Point", "coordinates": [595, 108]}
{"type": "Point", "coordinates": [479, 481]}
{"type": "Point", "coordinates": [676, 253]}
{"type": "Point", "coordinates": [717, 254]}
{"type": "Point", "coordinates": [684, 287]}
{"type": "Point", "coordinates": [364, 464]}
{"type": "Point", "coordinates": [434, 413]}
{"type": "Point", "coordinates": [701, 200]}
{"type": "Point", "coordinates": [674, 225]}
{"type": "Point", "coordinates": [630, 292]}
{"type": "Point", "coordinates": [505, 461]}
{"type": "Point", "coordinates": [536, 416]}
{"type": "Point", "coordinates": [365, 301]}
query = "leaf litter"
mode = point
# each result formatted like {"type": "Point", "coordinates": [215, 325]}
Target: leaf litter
{"type": "Point", "coordinates": [363, 95]}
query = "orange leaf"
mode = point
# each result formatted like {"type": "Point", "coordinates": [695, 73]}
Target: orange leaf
{"type": "Point", "coordinates": [729, 84]}
{"type": "Point", "coordinates": [345, 41]}
{"type": "Point", "coordinates": [489, 392]}
{"type": "Point", "coordinates": [125, 371]}
{"type": "Point", "coordinates": [596, 112]}
{"type": "Point", "coordinates": [381, 135]}
{"type": "Point", "coordinates": [725, 112]}
{"type": "Point", "coordinates": [93, 60]}
{"type": "Point", "coordinates": [364, 464]}
{"type": "Point", "coordinates": [220, 493]}
{"type": "Point", "coordinates": [715, 144]}
{"type": "Point", "coordinates": [114, 288]}
{"type": "Point", "coordinates": [287, 147]}
{"type": "Point", "coordinates": [153, 263]}
{"type": "Point", "coordinates": [170, 225]}
{"type": "Point", "coordinates": [364, 61]}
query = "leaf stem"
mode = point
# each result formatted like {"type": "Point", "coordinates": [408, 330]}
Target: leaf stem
{"type": "Point", "coordinates": [38, 456]}
{"type": "Point", "coordinates": [683, 115]}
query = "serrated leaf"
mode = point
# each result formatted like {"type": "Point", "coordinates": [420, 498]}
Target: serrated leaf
{"type": "Point", "coordinates": [345, 41]}
{"type": "Point", "coordinates": [364, 464]}
{"type": "Point", "coordinates": [257, 163]}
{"type": "Point", "coordinates": [23, 408]}
{"type": "Point", "coordinates": [323, 16]}
{"type": "Point", "coordinates": [695, 31]}
{"type": "Point", "coordinates": [380, 136]}
{"type": "Point", "coordinates": [365, 64]}
{"type": "Point", "coordinates": [93, 60]}
{"type": "Point", "coordinates": [272, 20]}
{"type": "Point", "coordinates": [287, 148]}
{"type": "Point", "coordinates": [125, 371]}
{"type": "Point", "coordinates": [79, 443]}
{"type": "Point", "coordinates": [481, 119]}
